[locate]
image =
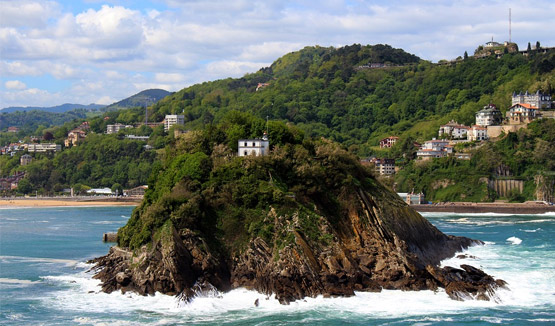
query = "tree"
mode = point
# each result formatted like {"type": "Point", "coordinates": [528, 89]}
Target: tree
{"type": "Point", "coordinates": [538, 45]}
{"type": "Point", "coordinates": [47, 135]}
{"type": "Point", "coordinates": [117, 189]}
{"type": "Point", "coordinates": [465, 55]}
{"type": "Point", "coordinates": [529, 48]}
{"type": "Point", "coordinates": [24, 186]}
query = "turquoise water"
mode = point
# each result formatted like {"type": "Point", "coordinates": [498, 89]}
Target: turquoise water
{"type": "Point", "coordinates": [44, 279]}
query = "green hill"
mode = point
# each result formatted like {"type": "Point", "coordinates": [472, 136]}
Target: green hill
{"type": "Point", "coordinates": [333, 92]}
{"type": "Point", "coordinates": [141, 99]}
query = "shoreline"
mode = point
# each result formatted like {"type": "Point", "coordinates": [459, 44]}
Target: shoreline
{"type": "Point", "coordinates": [502, 208]}
{"type": "Point", "coordinates": [68, 202]}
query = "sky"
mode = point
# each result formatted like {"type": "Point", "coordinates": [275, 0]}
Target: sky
{"type": "Point", "coordinates": [92, 51]}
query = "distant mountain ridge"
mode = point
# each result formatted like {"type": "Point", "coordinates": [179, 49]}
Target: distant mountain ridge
{"type": "Point", "coordinates": [141, 99]}
{"type": "Point", "coordinates": [54, 109]}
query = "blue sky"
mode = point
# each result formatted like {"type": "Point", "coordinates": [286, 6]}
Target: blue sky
{"type": "Point", "coordinates": [91, 51]}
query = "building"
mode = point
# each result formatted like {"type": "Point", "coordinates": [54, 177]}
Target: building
{"type": "Point", "coordinates": [136, 192]}
{"type": "Point", "coordinates": [433, 149]}
{"type": "Point", "coordinates": [262, 86]}
{"type": "Point", "coordinates": [74, 136]}
{"type": "Point", "coordinates": [412, 198]}
{"type": "Point", "coordinates": [521, 113]}
{"type": "Point", "coordinates": [383, 166]}
{"type": "Point", "coordinates": [25, 159]}
{"type": "Point", "coordinates": [478, 133]}
{"type": "Point", "coordinates": [115, 128]}
{"type": "Point", "coordinates": [13, 129]}
{"type": "Point", "coordinates": [388, 142]}
{"type": "Point", "coordinates": [43, 148]}
{"type": "Point", "coordinates": [538, 100]}
{"type": "Point", "coordinates": [11, 182]}
{"type": "Point", "coordinates": [257, 147]}
{"type": "Point", "coordinates": [453, 130]}
{"type": "Point", "coordinates": [135, 137]}
{"type": "Point", "coordinates": [173, 119]}
{"type": "Point", "coordinates": [489, 116]}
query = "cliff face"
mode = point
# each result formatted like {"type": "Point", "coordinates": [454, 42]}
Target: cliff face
{"type": "Point", "coordinates": [304, 221]}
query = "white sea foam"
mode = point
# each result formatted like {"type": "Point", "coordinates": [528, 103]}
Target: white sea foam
{"type": "Point", "coordinates": [16, 281]}
{"type": "Point", "coordinates": [66, 262]}
{"type": "Point", "coordinates": [514, 240]}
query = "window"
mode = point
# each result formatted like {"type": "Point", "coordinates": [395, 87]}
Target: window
{"type": "Point", "coordinates": [245, 144]}
{"type": "Point", "coordinates": [253, 144]}
{"type": "Point", "coordinates": [245, 153]}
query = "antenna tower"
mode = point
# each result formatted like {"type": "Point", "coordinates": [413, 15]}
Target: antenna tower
{"type": "Point", "coordinates": [509, 25]}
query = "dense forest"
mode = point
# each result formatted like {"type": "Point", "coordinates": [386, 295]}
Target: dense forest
{"type": "Point", "coordinates": [354, 95]}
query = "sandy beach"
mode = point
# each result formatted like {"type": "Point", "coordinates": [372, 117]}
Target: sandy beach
{"type": "Point", "coordinates": [67, 202]}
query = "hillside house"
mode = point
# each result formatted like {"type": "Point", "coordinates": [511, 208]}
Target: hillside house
{"type": "Point", "coordinates": [115, 128]}
{"type": "Point", "coordinates": [25, 159]}
{"type": "Point", "coordinates": [489, 116]}
{"type": "Point", "coordinates": [383, 166]}
{"type": "Point", "coordinates": [136, 192]}
{"type": "Point", "coordinates": [172, 120]}
{"type": "Point", "coordinates": [262, 86]}
{"type": "Point", "coordinates": [521, 113]}
{"type": "Point", "coordinates": [478, 133]}
{"type": "Point", "coordinates": [453, 130]}
{"type": "Point", "coordinates": [256, 147]}
{"type": "Point", "coordinates": [11, 182]}
{"type": "Point", "coordinates": [388, 142]}
{"type": "Point", "coordinates": [538, 100]}
{"type": "Point", "coordinates": [74, 136]}
{"type": "Point", "coordinates": [13, 129]}
{"type": "Point", "coordinates": [434, 149]}
{"type": "Point", "coordinates": [43, 148]}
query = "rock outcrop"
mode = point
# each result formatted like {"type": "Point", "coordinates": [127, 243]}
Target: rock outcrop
{"type": "Point", "coordinates": [379, 243]}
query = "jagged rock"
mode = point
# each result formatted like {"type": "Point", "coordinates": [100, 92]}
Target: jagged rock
{"type": "Point", "coordinates": [373, 249]}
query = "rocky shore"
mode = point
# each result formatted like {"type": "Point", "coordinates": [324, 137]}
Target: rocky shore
{"type": "Point", "coordinates": [377, 246]}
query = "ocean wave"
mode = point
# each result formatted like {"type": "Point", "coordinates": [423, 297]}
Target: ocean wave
{"type": "Point", "coordinates": [514, 240]}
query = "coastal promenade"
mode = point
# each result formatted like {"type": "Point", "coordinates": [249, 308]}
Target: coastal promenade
{"type": "Point", "coordinates": [502, 208]}
{"type": "Point", "coordinates": [69, 201]}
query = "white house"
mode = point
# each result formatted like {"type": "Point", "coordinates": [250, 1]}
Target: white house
{"type": "Point", "coordinates": [521, 113]}
{"type": "Point", "coordinates": [478, 133]}
{"type": "Point", "coordinates": [453, 130]}
{"type": "Point", "coordinates": [383, 166]}
{"type": "Point", "coordinates": [256, 147]}
{"type": "Point", "coordinates": [173, 119]}
{"type": "Point", "coordinates": [538, 100]}
{"type": "Point", "coordinates": [43, 148]}
{"type": "Point", "coordinates": [434, 148]}
{"type": "Point", "coordinates": [115, 128]}
{"type": "Point", "coordinates": [488, 116]}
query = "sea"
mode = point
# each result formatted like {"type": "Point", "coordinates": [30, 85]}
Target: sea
{"type": "Point", "coordinates": [45, 279]}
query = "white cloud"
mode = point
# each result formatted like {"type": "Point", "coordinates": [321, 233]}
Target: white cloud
{"type": "Point", "coordinates": [15, 84]}
{"type": "Point", "coordinates": [22, 13]}
{"type": "Point", "coordinates": [100, 52]}
{"type": "Point", "coordinates": [169, 77]}
{"type": "Point", "coordinates": [105, 100]}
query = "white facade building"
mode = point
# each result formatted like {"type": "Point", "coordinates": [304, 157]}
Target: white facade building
{"type": "Point", "coordinates": [538, 100]}
{"type": "Point", "coordinates": [478, 133]}
{"type": "Point", "coordinates": [43, 148]}
{"type": "Point", "coordinates": [173, 119]}
{"type": "Point", "coordinates": [489, 116]}
{"type": "Point", "coordinates": [433, 149]}
{"type": "Point", "coordinates": [114, 129]}
{"type": "Point", "coordinates": [453, 130]}
{"type": "Point", "coordinates": [383, 166]}
{"type": "Point", "coordinates": [256, 147]}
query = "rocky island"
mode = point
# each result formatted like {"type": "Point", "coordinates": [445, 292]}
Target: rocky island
{"type": "Point", "coordinates": [305, 220]}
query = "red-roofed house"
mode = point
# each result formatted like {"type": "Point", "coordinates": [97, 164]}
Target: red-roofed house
{"type": "Point", "coordinates": [453, 130]}
{"type": "Point", "coordinates": [388, 142]}
{"type": "Point", "coordinates": [478, 133]}
{"type": "Point", "coordinates": [521, 113]}
{"type": "Point", "coordinates": [434, 148]}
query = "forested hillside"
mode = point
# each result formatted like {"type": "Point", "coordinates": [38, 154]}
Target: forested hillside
{"type": "Point", "coordinates": [326, 92]}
